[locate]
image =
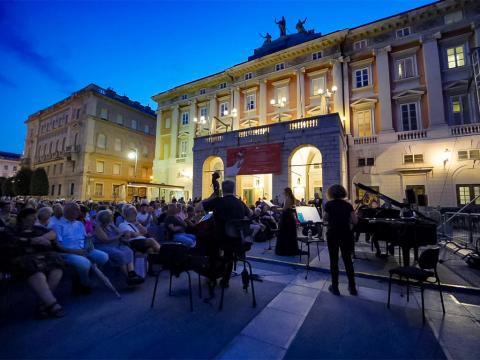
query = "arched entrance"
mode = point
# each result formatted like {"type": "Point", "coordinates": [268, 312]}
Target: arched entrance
{"type": "Point", "coordinates": [211, 164]}
{"type": "Point", "coordinates": [305, 172]}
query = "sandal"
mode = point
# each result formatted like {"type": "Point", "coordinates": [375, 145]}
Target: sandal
{"type": "Point", "coordinates": [55, 310]}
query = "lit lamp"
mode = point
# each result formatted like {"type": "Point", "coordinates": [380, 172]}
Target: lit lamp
{"type": "Point", "coordinates": [200, 122]}
{"type": "Point", "coordinates": [225, 114]}
{"type": "Point", "coordinates": [327, 95]}
{"type": "Point", "coordinates": [133, 155]}
{"type": "Point", "coordinates": [279, 104]}
{"type": "Point", "coordinates": [446, 157]}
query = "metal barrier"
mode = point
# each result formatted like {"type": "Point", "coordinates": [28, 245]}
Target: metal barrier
{"type": "Point", "coordinates": [461, 228]}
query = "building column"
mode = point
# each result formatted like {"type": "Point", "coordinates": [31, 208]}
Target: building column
{"type": "Point", "coordinates": [174, 132]}
{"type": "Point", "coordinates": [158, 135]}
{"type": "Point", "coordinates": [346, 95]}
{"type": "Point", "coordinates": [236, 105]}
{"type": "Point", "coordinates": [384, 89]}
{"type": "Point", "coordinates": [433, 79]}
{"type": "Point", "coordinates": [337, 81]}
{"type": "Point", "coordinates": [300, 74]}
{"type": "Point", "coordinates": [476, 30]}
{"type": "Point", "coordinates": [212, 111]}
{"type": "Point", "coordinates": [262, 103]}
{"type": "Point", "coordinates": [191, 125]}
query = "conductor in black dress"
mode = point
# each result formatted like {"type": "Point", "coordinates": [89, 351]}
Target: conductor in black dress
{"type": "Point", "coordinates": [340, 218]}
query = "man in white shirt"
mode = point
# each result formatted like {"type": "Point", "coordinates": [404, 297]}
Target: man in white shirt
{"type": "Point", "coordinates": [138, 240]}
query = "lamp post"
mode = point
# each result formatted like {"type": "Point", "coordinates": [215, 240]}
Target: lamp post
{"type": "Point", "coordinates": [279, 104]}
{"type": "Point", "coordinates": [446, 157]}
{"type": "Point", "coordinates": [202, 121]}
{"type": "Point", "coordinates": [327, 95]}
{"type": "Point", "coordinates": [133, 155]}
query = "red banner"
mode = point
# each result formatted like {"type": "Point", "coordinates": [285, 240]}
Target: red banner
{"type": "Point", "coordinates": [258, 159]}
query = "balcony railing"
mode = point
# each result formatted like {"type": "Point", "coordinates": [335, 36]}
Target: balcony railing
{"type": "Point", "coordinates": [365, 140]}
{"type": "Point", "coordinates": [412, 135]}
{"type": "Point", "coordinates": [303, 124]}
{"type": "Point", "coordinates": [213, 138]}
{"type": "Point", "coordinates": [257, 131]}
{"type": "Point", "coordinates": [467, 129]}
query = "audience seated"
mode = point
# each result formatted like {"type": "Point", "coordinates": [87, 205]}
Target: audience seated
{"type": "Point", "coordinates": [75, 247]}
{"type": "Point", "coordinates": [176, 227]}
{"type": "Point", "coordinates": [110, 240]}
{"type": "Point", "coordinates": [136, 233]}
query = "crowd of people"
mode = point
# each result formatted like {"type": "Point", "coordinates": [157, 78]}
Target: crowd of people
{"type": "Point", "coordinates": [40, 239]}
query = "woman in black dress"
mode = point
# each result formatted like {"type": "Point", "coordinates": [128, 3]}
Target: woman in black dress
{"type": "Point", "coordinates": [340, 218]}
{"type": "Point", "coordinates": [287, 244]}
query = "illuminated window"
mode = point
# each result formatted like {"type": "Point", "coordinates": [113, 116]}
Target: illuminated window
{"type": "Point", "coordinates": [317, 85]}
{"type": "Point", "coordinates": [467, 192]}
{"type": "Point", "coordinates": [412, 158]}
{"type": "Point", "coordinates": [280, 93]}
{"type": "Point", "coordinates": [98, 189]}
{"type": "Point", "coordinates": [362, 123]}
{"type": "Point", "coordinates": [250, 102]}
{"type": "Point", "coordinates": [458, 110]}
{"type": "Point", "coordinates": [455, 57]}
{"type": "Point", "coordinates": [223, 108]}
{"type": "Point", "coordinates": [405, 68]}
{"type": "Point", "coordinates": [204, 112]}
{"type": "Point", "coordinates": [100, 166]}
{"type": "Point", "coordinates": [101, 141]}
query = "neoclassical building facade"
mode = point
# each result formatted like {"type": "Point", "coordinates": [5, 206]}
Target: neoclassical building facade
{"type": "Point", "coordinates": [403, 90]}
{"type": "Point", "coordinates": [94, 144]}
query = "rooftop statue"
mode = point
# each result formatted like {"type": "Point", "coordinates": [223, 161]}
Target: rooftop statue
{"type": "Point", "coordinates": [282, 25]}
{"type": "Point", "coordinates": [299, 26]}
{"type": "Point", "coordinates": [267, 37]}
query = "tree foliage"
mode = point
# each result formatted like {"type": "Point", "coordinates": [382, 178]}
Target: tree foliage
{"type": "Point", "coordinates": [21, 185]}
{"type": "Point", "coordinates": [7, 187]}
{"type": "Point", "coordinates": [39, 184]}
{"type": "Point", "coordinates": [2, 180]}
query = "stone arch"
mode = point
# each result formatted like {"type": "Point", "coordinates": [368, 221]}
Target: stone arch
{"type": "Point", "coordinates": [305, 171]}
{"type": "Point", "coordinates": [211, 164]}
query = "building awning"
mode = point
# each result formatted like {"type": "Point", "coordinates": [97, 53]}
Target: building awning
{"type": "Point", "coordinates": [147, 184]}
{"type": "Point", "coordinates": [414, 170]}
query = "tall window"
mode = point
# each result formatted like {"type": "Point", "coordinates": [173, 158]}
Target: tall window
{"type": "Point", "coordinates": [363, 123]}
{"type": "Point", "coordinates": [280, 93]}
{"type": "Point", "coordinates": [223, 108]}
{"type": "Point", "coordinates": [116, 169]}
{"type": "Point", "coordinates": [118, 144]}
{"type": "Point", "coordinates": [98, 189]}
{"type": "Point", "coordinates": [183, 148]}
{"type": "Point", "coordinates": [185, 118]}
{"type": "Point", "coordinates": [119, 119]}
{"type": "Point", "coordinates": [458, 109]}
{"type": "Point", "coordinates": [59, 189]}
{"type": "Point", "coordinates": [455, 57]}
{"type": "Point", "coordinates": [468, 192]}
{"type": "Point", "coordinates": [166, 151]}
{"type": "Point", "coordinates": [146, 129]}
{"type": "Point", "coordinates": [317, 84]}
{"type": "Point", "coordinates": [361, 77]}
{"type": "Point", "coordinates": [409, 116]}
{"type": "Point", "coordinates": [250, 102]}
{"type": "Point", "coordinates": [101, 141]}
{"type": "Point", "coordinates": [53, 190]}
{"type": "Point", "coordinates": [134, 124]}
{"type": "Point", "coordinates": [104, 114]}
{"type": "Point", "coordinates": [100, 166]}
{"type": "Point", "coordinates": [405, 68]}
{"type": "Point", "coordinates": [131, 171]}
{"type": "Point", "coordinates": [167, 123]}
{"type": "Point", "coordinates": [204, 112]}
{"type": "Point", "coordinates": [72, 189]}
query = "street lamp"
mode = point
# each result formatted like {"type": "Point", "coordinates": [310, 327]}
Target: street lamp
{"type": "Point", "coordinates": [201, 121]}
{"type": "Point", "coordinates": [225, 114]}
{"type": "Point", "coordinates": [327, 95]}
{"type": "Point", "coordinates": [133, 155]}
{"type": "Point", "coordinates": [446, 157]}
{"type": "Point", "coordinates": [279, 104]}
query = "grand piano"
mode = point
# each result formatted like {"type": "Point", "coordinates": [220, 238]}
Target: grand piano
{"type": "Point", "coordinates": [398, 224]}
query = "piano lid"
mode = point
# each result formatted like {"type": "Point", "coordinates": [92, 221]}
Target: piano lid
{"type": "Point", "coordinates": [381, 196]}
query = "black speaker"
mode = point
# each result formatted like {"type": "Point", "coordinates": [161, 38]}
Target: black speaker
{"type": "Point", "coordinates": [411, 196]}
{"type": "Point", "coordinates": [422, 200]}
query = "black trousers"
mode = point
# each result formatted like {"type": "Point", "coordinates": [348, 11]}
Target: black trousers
{"type": "Point", "coordinates": [341, 242]}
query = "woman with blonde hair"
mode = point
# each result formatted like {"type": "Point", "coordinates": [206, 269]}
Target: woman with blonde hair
{"type": "Point", "coordinates": [340, 218]}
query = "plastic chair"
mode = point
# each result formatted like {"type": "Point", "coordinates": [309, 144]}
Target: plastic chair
{"type": "Point", "coordinates": [427, 268]}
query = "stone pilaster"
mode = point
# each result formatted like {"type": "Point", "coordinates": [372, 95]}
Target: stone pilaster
{"type": "Point", "coordinates": [236, 105]}
{"type": "Point", "coordinates": [337, 81]}
{"type": "Point", "coordinates": [174, 131]}
{"type": "Point", "coordinates": [346, 96]}
{"type": "Point", "coordinates": [384, 89]}
{"type": "Point", "coordinates": [262, 103]}
{"type": "Point", "coordinates": [300, 74]}
{"type": "Point", "coordinates": [158, 145]}
{"type": "Point", "coordinates": [212, 111]}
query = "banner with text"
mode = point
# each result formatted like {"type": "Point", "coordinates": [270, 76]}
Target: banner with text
{"type": "Point", "coordinates": [251, 160]}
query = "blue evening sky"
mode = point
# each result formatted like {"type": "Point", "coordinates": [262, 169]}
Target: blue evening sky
{"type": "Point", "coordinates": [48, 49]}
